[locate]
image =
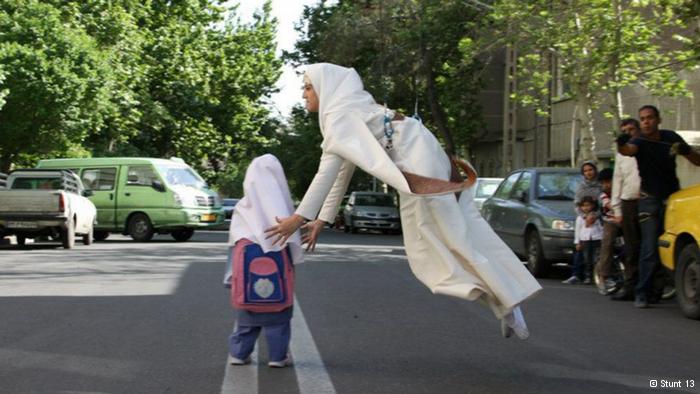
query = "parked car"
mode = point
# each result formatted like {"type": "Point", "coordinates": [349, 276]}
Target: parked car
{"type": "Point", "coordinates": [339, 221]}
{"type": "Point", "coordinates": [533, 212]}
{"type": "Point", "coordinates": [228, 204]}
{"type": "Point", "coordinates": [144, 196]}
{"type": "Point", "coordinates": [483, 189]}
{"type": "Point", "coordinates": [678, 247]}
{"type": "Point", "coordinates": [372, 210]}
{"type": "Point", "coordinates": [46, 203]}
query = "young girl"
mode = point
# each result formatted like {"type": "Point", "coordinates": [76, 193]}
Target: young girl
{"type": "Point", "coordinates": [587, 238]}
{"type": "Point", "coordinates": [266, 197]}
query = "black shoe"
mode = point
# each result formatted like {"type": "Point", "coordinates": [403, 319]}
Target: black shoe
{"type": "Point", "coordinates": [623, 295]}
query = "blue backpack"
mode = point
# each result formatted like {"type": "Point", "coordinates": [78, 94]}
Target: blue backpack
{"type": "Point", "coordinates": [261, 282]}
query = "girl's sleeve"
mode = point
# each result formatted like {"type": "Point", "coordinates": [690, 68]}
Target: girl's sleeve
{"type": "Point", "coordinates": [328, 170]}
{"type": "Point", "coordinates": [335, 197]}
{"type": "Point", "coordinates": [616, 201]}
{"type": "Point", "coordinates": [578, 228]}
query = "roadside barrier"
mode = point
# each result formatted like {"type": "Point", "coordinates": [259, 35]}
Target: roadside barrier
{"type": "Point", "coordinates": [3, 180]}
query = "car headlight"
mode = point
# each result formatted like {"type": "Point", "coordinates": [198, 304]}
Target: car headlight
{"type": "Point", "coordinates": [184, 200]}
{"type": "Point", "coordinates": [562, 224]}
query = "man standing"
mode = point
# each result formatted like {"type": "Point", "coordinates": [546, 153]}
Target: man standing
{"type": "Point", "coordinates": [625, 194]}
{"type": "Point", "coordinates": [655, 151]}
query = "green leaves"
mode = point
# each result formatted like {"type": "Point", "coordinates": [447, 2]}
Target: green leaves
{"type": "Point", "coordinates": [134, 78]}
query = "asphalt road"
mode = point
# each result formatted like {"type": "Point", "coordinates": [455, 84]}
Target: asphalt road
{"type": "Point", "coordinates": [125, 317]}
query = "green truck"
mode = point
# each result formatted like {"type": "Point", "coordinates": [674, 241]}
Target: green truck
{"type": "Point", "coordinates": [143, 196]}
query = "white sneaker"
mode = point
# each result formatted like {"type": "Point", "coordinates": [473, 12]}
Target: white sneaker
{"type": "Point", "coordinates": [516, 321]}
{"type": "Point", "coordinates": [238, 361]}
{"type": "Point", "coordinates": [281, 364]}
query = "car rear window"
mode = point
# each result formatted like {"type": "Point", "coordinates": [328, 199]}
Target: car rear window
{"type": "Point", "coordinates": [374, 200]}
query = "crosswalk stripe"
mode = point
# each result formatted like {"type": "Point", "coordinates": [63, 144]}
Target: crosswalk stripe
{"type": "Point", "coordinates": [241, 379]}
{"type": "Point", "coordinates": [311, 374]}
{"type": "Point", "coordinates": [308, 365]}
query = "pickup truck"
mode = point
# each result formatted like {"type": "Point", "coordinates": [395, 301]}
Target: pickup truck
{"type": "Point", "coordinates": [46, 203]}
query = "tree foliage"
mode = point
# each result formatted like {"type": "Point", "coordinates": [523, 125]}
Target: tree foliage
{"type": "Point", "coordinates": [597, 48]}
{"type": "Point", "coordinates": [130, 77]}
{"type": "Point", "coordinates": [409, 55]}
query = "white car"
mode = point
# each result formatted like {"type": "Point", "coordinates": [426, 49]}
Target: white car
{"type": "Point", "coordinates": [483, 189]}
{"type": "Point", "coordinates": [46, 203]}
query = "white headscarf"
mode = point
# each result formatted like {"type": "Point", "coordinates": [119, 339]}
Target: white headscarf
{"type": "Point", "coordinates": [266, 196]}
{"type": "Point", "coordinates": [339, 89]}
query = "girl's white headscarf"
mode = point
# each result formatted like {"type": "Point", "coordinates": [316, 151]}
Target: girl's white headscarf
{"type": "Point", "coordinates": [266, 196]}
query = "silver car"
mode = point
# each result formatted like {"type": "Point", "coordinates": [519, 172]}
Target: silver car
{"type": "Point", "coordinates": [484, 188]}
{"type": "Point", "coordinates": [372, 210]}
{"type": "Point", "coordinates": [229, 204]}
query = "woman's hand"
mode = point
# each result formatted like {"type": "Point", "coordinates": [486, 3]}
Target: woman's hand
{"type": "Point", "coordinates": [313, 229]}
{"type": "Point", "coordinates": [286, 227]}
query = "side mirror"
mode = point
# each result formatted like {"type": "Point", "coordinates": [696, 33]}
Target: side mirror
{"type": "Point", "coordinates": [523, 196]}
{"type": "Point", "coordinates": [158, 186]}
{"type": "Point", "coordinates": [88, 193]}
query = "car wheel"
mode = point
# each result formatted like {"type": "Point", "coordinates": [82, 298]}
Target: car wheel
{"type": "Point", "coordinates": [21, 241]}
{"type": "Point", "coordinates": [353, 229]}
{"type": "Point", "coordinates": [100, 235]}
{"type": "Point", "coordinates": [535, 257]}
{"type": "Point", "coordinates": [88, 238]}
{"type": "Point", "coordinates": [688, 281]}
{"type": "Point", "coordinates": [182, 235]}
{"type": "Point", "coordinates": [140, 228]}
{"type": "Point", "coordinates": [68, 235]}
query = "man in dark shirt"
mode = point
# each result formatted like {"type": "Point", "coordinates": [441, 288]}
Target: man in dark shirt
{"type": "Point", "coordinates": [655, 151]}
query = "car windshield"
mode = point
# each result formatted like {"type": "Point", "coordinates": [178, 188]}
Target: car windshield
{"type": "Point", "coordinates": [230, 202]}
{"type": "Point", "coordinates": [485, 189]}
{"type": "Point", "coordinates": [557, 185]}
{"type": "Point", "coordinates": [379, 200]}
{"type": "Point", "coordinates": [181, 176]}
{"type": "Point", "coordinates": [37, 183]}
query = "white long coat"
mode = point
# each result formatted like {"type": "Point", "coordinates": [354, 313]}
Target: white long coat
{"type": "Point", "coordinates": [450, 247]}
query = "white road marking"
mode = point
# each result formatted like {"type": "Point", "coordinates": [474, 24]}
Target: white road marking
{"type": "Point", "coordinates": [308, 365]}
{"type": "Point", "coordinates": [241, 378]}
{"type": "Point", "coordinates": [312, 376]}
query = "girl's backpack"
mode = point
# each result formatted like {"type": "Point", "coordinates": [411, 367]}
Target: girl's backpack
{"type": "Point", "coordinates": [261, 282]}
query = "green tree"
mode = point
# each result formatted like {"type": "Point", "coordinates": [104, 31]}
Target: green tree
{"type": "Point", "coordinates": [597, 48]}
{"type": "Point", "coordinates": [56, 84]}
{"type": "Point", "coordinates": [204, 90]}
{"type": "Point", "coordinates": [3, 92]}
{"type": "Point", "coordinates": [408, 54]}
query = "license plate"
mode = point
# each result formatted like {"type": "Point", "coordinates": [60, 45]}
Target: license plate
{"type": "Point", "coordinates": [208, 217]}
{"type": "Point", "coordinates": [21, 225]}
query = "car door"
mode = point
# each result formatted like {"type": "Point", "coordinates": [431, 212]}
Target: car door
{"type": "Point", "coordinates": [517, 214]}
{"type": "Point", "coordinates": [495, 209]}
{"type": "Point", "coordinates": [136, 193]}
{"type": "Point", "coordinates": [102, 182]}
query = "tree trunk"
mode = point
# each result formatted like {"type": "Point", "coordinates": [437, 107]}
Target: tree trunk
{"type": "Point", "coordinates": [617, 107]}
{"type": "Point", "coordinates": [436, 110]}
{"type": "Point", "coordinates": [574, 120]}
{"type": "Point", "coordinates": [6, 163]}
{"type": "Point", "coordinates": [587, 145]}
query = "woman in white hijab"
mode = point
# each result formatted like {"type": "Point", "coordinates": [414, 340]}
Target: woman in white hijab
{"type": "Point", "coordinates": [450, 247]}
